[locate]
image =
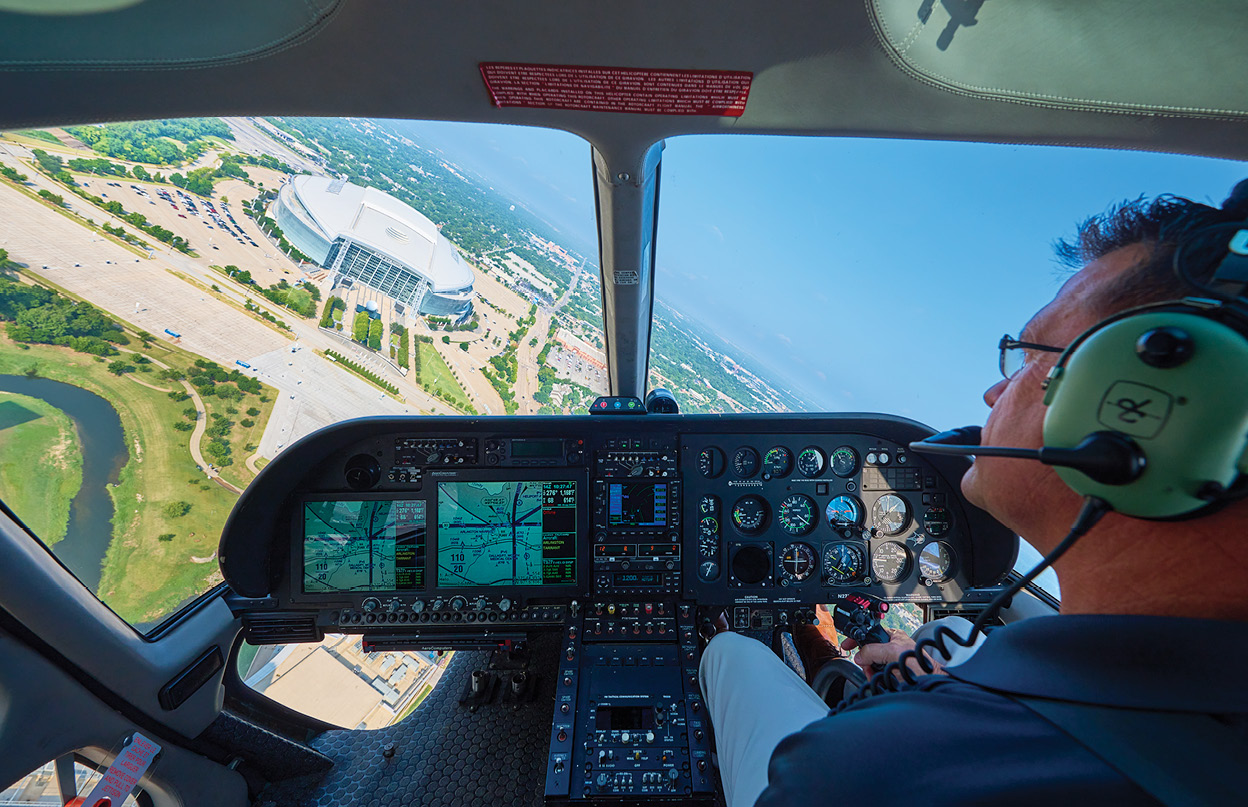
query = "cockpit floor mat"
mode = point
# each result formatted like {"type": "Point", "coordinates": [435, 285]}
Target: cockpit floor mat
{"type": "Point", "coordinates": [444, 753]}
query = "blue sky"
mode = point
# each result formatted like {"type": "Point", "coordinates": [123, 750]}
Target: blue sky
{"type": "Point", "coordinates": [868, 275]}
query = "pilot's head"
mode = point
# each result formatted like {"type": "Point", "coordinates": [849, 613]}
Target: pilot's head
{"type": "Point", "coordinates": [1122, 258]}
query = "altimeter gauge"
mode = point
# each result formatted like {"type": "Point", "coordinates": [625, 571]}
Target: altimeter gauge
{"type": "Point", "coordinates": [890, 562]}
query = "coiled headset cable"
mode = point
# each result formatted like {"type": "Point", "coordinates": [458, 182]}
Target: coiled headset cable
{"type": "Point", "coordinates": [896, 673]}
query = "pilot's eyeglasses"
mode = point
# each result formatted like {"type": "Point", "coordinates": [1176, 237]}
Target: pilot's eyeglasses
{"type": "Point", "coordinates": [1014, 354]}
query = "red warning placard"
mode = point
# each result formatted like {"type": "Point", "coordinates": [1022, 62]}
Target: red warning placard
{"type": "Point", "coordinates": [618, 89]}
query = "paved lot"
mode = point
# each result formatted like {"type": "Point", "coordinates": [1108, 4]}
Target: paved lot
{"type": "Point", "coordinates": [314, 393]}
{"type": "Point", "coordinates": [145, 294]}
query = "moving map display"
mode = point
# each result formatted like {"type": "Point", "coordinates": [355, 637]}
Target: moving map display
{"type": "Point", "coordinates": [363, 545]}
{"type": "Point", "coordinates": [637, 504]}
{"type": "Point", "coordinates": [519, 533]}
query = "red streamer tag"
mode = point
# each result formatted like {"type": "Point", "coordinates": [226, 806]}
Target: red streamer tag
{"type": "Point", "coordinates": [125, 772]}
{"type": "Point", "coordinates": [618, 89]}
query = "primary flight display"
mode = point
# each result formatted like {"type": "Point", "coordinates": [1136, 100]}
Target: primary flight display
{"type": "Point", "coordinates": [363, 545]}
{"type": "Point", "coordinates": [517, 532]}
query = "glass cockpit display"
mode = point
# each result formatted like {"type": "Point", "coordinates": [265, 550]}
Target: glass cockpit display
{"type": "Point", "coordinates": [505, 533]}
{"type": "Point", "coordinates": [363, 545]}
{"type": "Point", "coordinates": [637, 504]}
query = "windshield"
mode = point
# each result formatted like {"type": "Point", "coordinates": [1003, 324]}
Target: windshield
{"type": "Point", "coordinates": [184, 299]}
{"type": "Point", "coordinates": [879, 275]}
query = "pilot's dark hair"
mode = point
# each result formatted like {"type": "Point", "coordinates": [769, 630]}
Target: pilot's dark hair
{"type": "Point", "coordinates": [1160, 223]}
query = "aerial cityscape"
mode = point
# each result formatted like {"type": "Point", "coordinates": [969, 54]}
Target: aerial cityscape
{"type": "Point", "coordinates": [185, 299]}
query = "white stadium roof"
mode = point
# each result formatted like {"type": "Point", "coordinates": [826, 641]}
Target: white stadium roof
{"type": "Point", "coordinates": [382, 223]}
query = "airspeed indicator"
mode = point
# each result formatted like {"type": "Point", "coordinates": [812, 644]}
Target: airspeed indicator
{"type": "Point", "coordinates": [796, 514]}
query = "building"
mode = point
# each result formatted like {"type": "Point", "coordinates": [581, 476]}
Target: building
{"type": "Point", "coordinates": [362, 235]}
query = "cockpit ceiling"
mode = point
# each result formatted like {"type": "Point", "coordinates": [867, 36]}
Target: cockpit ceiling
{"type": "Point", "coordinates": [1143, 74]}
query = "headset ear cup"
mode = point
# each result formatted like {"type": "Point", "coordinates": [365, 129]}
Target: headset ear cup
{"type": "Point", "coordinates": [1172, 379]}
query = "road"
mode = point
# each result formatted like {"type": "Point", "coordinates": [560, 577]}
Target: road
{"type": "Point", "coordinates": [251, 138]}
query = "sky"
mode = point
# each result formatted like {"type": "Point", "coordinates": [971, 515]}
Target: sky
{"type": "Point", "coordinates": [865, 275]}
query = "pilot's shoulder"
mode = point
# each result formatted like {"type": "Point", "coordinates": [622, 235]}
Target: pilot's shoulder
{"type": "Point", "coordinates": [946, 741]}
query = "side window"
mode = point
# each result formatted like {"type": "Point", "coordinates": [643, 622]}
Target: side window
{"type": "Point", "coordinates": [336, 681]}
{"type": "Point", "coordinates": [43, 785]}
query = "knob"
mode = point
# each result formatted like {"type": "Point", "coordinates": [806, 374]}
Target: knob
{"type": "Point", "coordinates": [673, 774]}
{"type": "Point", "coordinates": [649, 736]}
{"type": "Point", "coordinates": [602, 780]}
{"type": "Point", "coordinates": [439, 604]}
{"type": "Point", "coordinates": [371, 604]}
{"type": "Point", "coordinates": [504, 605]}
{"type": "Point", "coordinates": [480, 604]}
{"type": "Point", "coordinates": [624, 737]}
{"type": "Point", "coordinates": [458, 603]}
{"type": "Point", "coordinates": [418, 606]}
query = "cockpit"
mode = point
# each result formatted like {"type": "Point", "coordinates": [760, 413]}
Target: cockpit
{"type": "Point", "coordinates": [354, 452]}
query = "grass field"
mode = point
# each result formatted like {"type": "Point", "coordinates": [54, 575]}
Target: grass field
{"type": "Point", "coordinates": [40, 464]}
{"type": "Point", "coordinates": [144, 578]}
{"type": "Point", "coordinates": [436, 378]}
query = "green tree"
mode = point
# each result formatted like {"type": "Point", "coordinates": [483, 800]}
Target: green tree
{"type": "Point", "coordinates": [177, 509]}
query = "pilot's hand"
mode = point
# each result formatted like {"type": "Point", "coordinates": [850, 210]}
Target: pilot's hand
{"type": "Point", "coordinates": [710, 629]}
{"type": "Point", "coordinates": [874, 657]}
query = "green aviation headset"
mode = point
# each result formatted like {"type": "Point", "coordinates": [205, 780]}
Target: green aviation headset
{"type": "Point", "coordinates": [1148, 409]}
{"type": "Point", "coordinates": [1167, 384]}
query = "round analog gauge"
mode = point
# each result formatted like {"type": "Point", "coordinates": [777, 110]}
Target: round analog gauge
{"type": "Point", "coordinates": [711, 462]}
{"type": "Point", "coordinates": [708, 571]}
{"type": "Point", "coordinates": [890, 562]}
{"type": "Point", "coordinates": [844, 461]}
{"type": "Point", "coordinates": [777, 462]}
{"type": "Point", "coordinates": [708, 546]}
{"type": "Point", "coordinates": [810, 462]}
{"type": "Point", "coordinates": [843, 563]}
{"type": "Point", "coordinates": [796, 563]}
{"type": "Point", "coordinates": [709, 525]}
{"type": "Point", "coordinates": [796, 514]}
{"type": "Point", "coordinates": [749, 515]}
{"type": "Point", "coordinates": [745, 462]}
{"type": "Point", "coordinates": [936, 561]}
{"type": "Point", "coordinates": [937, 521]}
{"type": "Point", "coordinates": [890, 514]}
{"type": "Point", "coordinates": [843, 511]}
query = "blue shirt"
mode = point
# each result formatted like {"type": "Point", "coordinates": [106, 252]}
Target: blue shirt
{"type": "Point", "coordinates": [959, 739]}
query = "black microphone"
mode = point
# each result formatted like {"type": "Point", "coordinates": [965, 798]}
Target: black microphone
{"type": "Point", "coordinates": [1106, 457]}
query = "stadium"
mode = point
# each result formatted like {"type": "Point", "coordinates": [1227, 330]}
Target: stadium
{"type": "Point", "coordinates": [366, 236]}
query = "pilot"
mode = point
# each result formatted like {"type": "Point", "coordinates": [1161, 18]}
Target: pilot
{"type": "Point", "coordinates": [1154, 614]}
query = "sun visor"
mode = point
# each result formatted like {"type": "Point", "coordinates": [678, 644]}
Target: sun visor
{"type": "Point", "coordinates": [152, 33]}
{"type": "Point", "coordinates": [1151, 56]}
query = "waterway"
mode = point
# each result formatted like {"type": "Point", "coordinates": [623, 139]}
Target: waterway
{"type": "Point", "coordinates": [103, 455]}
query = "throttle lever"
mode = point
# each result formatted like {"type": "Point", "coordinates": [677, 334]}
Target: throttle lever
{"type": "Point", "coordinates": [857, 617]}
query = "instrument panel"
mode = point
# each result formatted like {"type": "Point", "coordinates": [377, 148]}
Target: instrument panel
{"type": "Point", "coordinates": [424, 525]}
